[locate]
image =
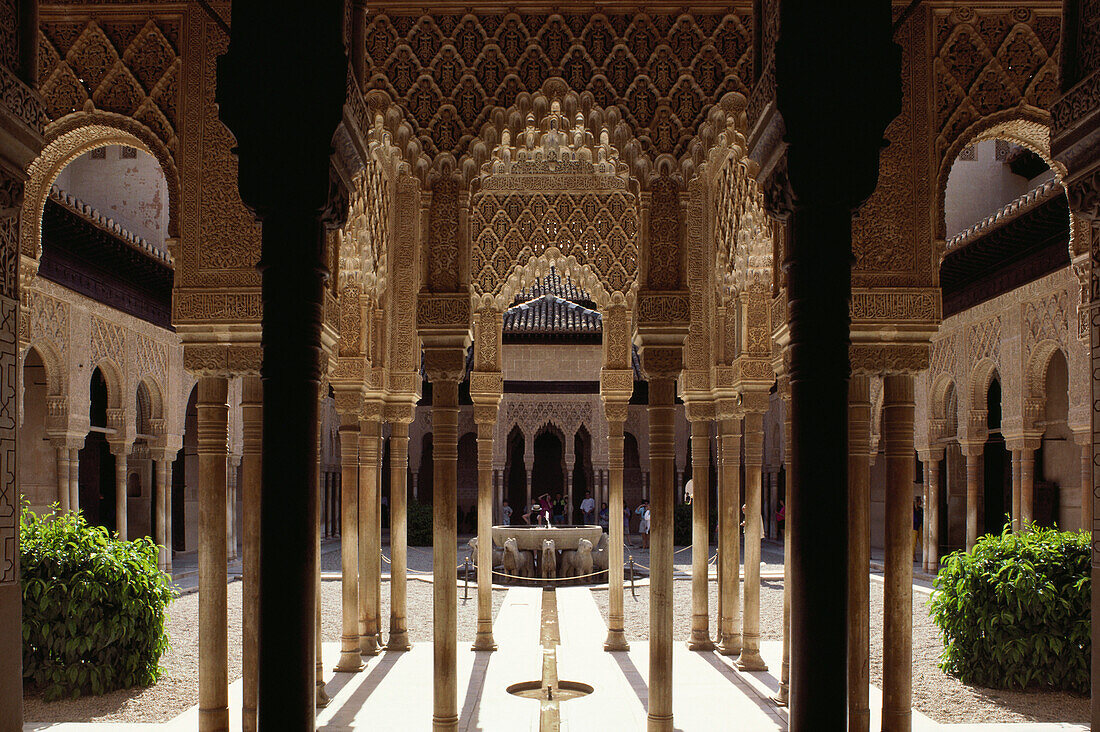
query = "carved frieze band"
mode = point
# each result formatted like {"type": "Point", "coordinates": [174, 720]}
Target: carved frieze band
{"type": "Point", "coordinates": [892, 305]}
{"type": "Point", "coordinates": [206, 307]}
{"type": "Point", "coordinates": [442, 310]}
{"type": "Point", "coordinates": [892, 358]}
{"type": "Point", "coordinates": [664, 307]}
{"type": "Point", "coordinates": [222, 360]}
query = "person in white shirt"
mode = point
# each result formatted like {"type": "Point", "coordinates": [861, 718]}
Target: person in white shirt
{"type": "Point", "coordinates": [588, 508]}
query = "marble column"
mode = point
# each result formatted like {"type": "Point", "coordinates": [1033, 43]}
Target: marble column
{"type": "Point", "coordinates": [897, 636]}
{"type": "Point", "coordinates": [729, 539]}
{"type": "Point", "coordinates": [485, 415]}
{"type": "Point", "coordinates": [399, 469]}
{"type": "Point", "coordinates": [74, 479]}
{"type": "Point", "coordinates": [163, 490]}
{"type": "Point", "coordinates": [974, 454]}
{"type": "Point", "coordinates": [61, 450]}
{"type": "Point", "coordinates": [528, 464]}
{"type": "Point", "coordinates": [213, 440]}
{"type": "Point", "coordinates": [232, 464]}
{"type": "Point", "coordinates": [1027, 486]}
{"type": "Point", "coordinates": [750, 659]}
{"type": "Point", "coordinates": [932, 511]}
{"type": "Point", "coordinates": [1016, 484]}
{"type": "Point", "coordinates": [859, 552]}
{"type": "Point", "coordinates": [120, 452]}
{"type": "Point", "coordinates": [662, 394]}
{"type": "Point", "coordinates": [444, 368]}
{"type": "Point", "coordinates": [350, 660]}
{"type": "Point", "coordinates": [700, 415]}
{"type": "Point", "coordinates": [370, 545]}
{"type": "Point", "coordinates": [322, 698]}
{"type": "Point", "coordinates": [615, 411]}
{"type": "Point", "coordinates": [252, 423]}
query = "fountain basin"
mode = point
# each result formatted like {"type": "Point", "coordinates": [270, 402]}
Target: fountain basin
{"type": "Point", "coordinates": [530, 538]}
{"type": "Point", "coordinates": [562, 691]}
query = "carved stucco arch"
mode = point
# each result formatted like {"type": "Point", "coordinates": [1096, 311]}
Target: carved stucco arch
{"type": "Point", "coordinates": [156, 394]}
{"type": "Point", "coordinates": [1025, 125]}
{"type": "Point", "coordinates": [52, 363]}
{"type": "Point", "coordinates": [70, 137]}
{"type": "Point", "coordinates": [1035, 372]}
{"type": "Point", "coordinates": [940, 393]}
{"type": "Point", "coordinates": [115, 379]}
{"type": "Point", "coordinates": [977, 390]}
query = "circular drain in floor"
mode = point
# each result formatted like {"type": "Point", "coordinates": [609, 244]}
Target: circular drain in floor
{"type": "Point", "coordinates": [564, 691]}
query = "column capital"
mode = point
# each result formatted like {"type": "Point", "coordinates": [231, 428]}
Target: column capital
{"type": "Point", "coordinates": [445, 362]}
{"type": "Point", "coordinates": [728, 408]}
{"type": "Point", "coordinates": [663, 361]}
{"type": "Point", "coordinates": [615, 410]}
{"type": "Point", "coordinates": [756, 401]}
{"type": "Point", "coordinates": [699, 410]}
{"type": "Point", "coordinates": [399, 412]}
{"type": "Point", "coordinates": [349, 399]}
{"type": "Point", "coordinates": [931, 455]}
{"type": "Point", "coordinates": [1025, 442]}
{"type": "Point", "coordinates": [972, 449]}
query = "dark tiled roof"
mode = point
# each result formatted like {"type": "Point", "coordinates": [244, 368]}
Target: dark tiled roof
{"type": "Point", "coordinates": [554, 284]}
{"type": "Point", "coordinates": [551, 315]}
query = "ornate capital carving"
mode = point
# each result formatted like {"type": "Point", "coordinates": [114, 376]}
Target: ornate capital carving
{"type": "Point", "coordinates": [616, 381]}
{"type": "Point", "coordinates": [662, 362]}
{"type": "Point", "coordinates": [444, 364]}
{"type": "Point", "coordinates": [486, 384]}
{"type": "Point", "coordinates": [699, 411]}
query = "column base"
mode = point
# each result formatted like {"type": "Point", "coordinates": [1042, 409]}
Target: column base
{"type": "Point", "coordinates": [248, 720]}
{"type": "Point", "coordinates": [659, 723]}
{"type": "Point", "coordinates": [700, 641]}
{"type": "Point", "coordinates": [781, 696]}
{"type": "Point", "coordinates": [484, 642]}
{"type": "Point", "coordinates": [350, 662]}
{"type": "Point", "coordinates": [730, 645]}
{"type": "Point", "coordinates": [213, 719]}
{"type": "Point", "coordinates": [368, 645]}
{"type": "Point", "coordinates": [322, 696]}
{"type": "Point", "coordinates": [399, 641]}
{"type": "Point", "coordinates": [445, 724]}
{"type": "Point", "coordinates": [750, 660]}
{"type": "Point", "coordinates": [616, 641]}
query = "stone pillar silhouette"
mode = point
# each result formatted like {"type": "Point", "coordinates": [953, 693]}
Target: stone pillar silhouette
{"type": "Point", "coordinates": [322, 698]}
{"type": "Point", "coordinates": [756, 405]}
{"type": "Point", "coordinates": [213, 442]}
{"type": "Point", "coordinates": [252, 415]}
{"type": "Point", "coordinates": [897, 651]}
{"type": "Point", "coordinates": [701, 415]}
{"type": "Point", "coordinates": [859, 552]}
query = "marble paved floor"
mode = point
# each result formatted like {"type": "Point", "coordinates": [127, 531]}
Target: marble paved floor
{"type": "Point", "coordinates": [393, 692]}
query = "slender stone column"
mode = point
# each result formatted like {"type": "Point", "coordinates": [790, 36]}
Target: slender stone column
{"type": "Point", "coordinates": [233, 463]}
{"type": "Point", "coordinates": [615, 411]}
{"type": "Point", "coordinates": [74, 480]}
{"type": "Point", "coordinates": [444, 368]}
{"type": "Point", "coordinates": [1016, 483]}
{"type": "Point", "coordinates": [974, 454]}
{"type": "Point", "coordinates": [370, 545]}
{"type": "Point", "coordinates": [350, 660]}
{"type": "Point", "coordinates": [700, 415]}
{"type": "Point", "coordinates": [485, 414]}
{"type": "Point", "coordinates": [63, 498]}
{"type": "Point", "coordinates": [322, 698]}
{"type": "Point", "coordinates": [163, 492]}
{"type": "Point", "coordinates": [1085, 441]}
{"type": "Point", "coordinates": [897, 636]}
{"type": "Point", "coordinates": [783, 695]}
{"type": "Point", "coordinates": [528, 464]}
{"type": "Point", "coordinates": [121, 504]}
{"type": "Point", "coordinates": [1027, 486]}
{"type": "Point", "coordinates": [399, 463]}
{"type": "Point", "coordinates": [729, 541]}
{"type": "Point", "coordinates": [859, 552]}
{"type": "Point", "coordinates": [932, 512]}
{"type": "Point", "coordinates": [252, 423]}
{"type": "Point", "coordinates": [213, 440]}
{"type": "Point", "coordinates": [662, 393]}
{"type": "Point", "coordinates": [750, 659]}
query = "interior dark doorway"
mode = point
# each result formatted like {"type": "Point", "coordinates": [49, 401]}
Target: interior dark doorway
{"type": "Point", "coordinates": [515, 476]}
{"type": "Point", "coordinates": [97, 464]}
{"type": "Point", "coordinates": [548, 471]}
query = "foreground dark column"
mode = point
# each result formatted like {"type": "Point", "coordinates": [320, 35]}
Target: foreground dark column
{"type": "Point", "coordinates": [830, 59]}
{"type": "Point", "coordinates": [288, 192]}
{"type": "Point", "coordinates": [252, 408]}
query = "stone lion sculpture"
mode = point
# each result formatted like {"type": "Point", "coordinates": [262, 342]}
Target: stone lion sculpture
{"type": "Point", "coordinates": [517, 563]}
{"type": "Point", "coordinates": [577, 562]}
{"type": "Point", "coordinates": [548, 559]}
{"type": "Point", "coordinates": [600, 555]}
{"type": "Point", "coordinates": [498, 553]}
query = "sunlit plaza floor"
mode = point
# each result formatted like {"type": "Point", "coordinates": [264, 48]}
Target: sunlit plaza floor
{"type": "Point", "coordinates": [393, 692]}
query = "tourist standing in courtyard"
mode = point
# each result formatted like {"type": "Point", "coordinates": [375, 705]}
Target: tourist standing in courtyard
{"type": "Point", "coordinates": [918, 524]}
{"type": "Point", "coordinates": [605, 517]}
{"type": "Point", "coordinates": [643, 523]}
{"type": "Point", "coordinates": [588, 508]}
{"type": "Point", "coordinates": [506, 513]}
{"type": "Point", "coordinates": [559, 509]}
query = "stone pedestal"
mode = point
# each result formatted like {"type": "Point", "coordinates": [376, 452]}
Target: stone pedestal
{"type": "Point", "coordinates": [213, 437]}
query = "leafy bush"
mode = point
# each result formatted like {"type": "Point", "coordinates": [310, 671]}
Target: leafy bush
{"type": "Point", "coordinates": [419, 523]}
{"type": "Point", "coordinates": [1014, 612]}
{"type": "Point", "coordinates": [682, 521]}
{"type": "Point", "coordinates": [94, 607]}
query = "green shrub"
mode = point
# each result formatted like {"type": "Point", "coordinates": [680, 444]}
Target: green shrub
{"type": "Point", "coordinates": [1014, 611]}
{"type": "Point", "coordinates": [94, 607]}
{"type": "Point", "coordinates": [682, 521]}
{"type": "Point", "coordinates": [419, 523]}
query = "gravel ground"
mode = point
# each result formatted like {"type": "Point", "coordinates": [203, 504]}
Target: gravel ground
{"type": "Point", "coordinates": [178, 687]}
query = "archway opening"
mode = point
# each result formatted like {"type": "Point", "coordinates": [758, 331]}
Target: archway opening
{"type": "Point", "coordinates": [515, 475]}
{"type": "Point", "coordinates": [548, 470]}
{"type": "Point", "coordinates": [952, 487]}
{"type": "Point", "coordinates": [583, 477]}
{"type": "Point", "coordinates": [97, 464]}
{"type": "Point", "coordinates": [184, 480]}
{"type": "Point", "coordinates": [997, 464]}
{"type": "Point", "coordinates": [425, 482]}
{"type": "Point", "coordinates": [467, 483]}
{"type": "Point", "coordinates": [1057, 461]}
